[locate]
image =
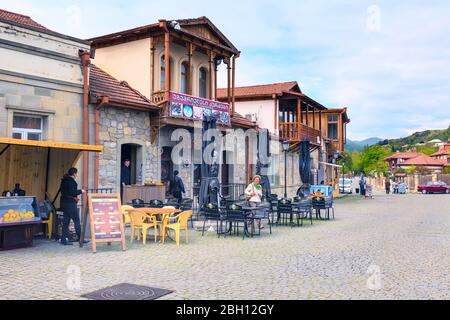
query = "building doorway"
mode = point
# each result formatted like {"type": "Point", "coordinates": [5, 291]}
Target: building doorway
{"type": "Point", "coordinates": [166, 167]}
{"type": "Point", "coordinates": [130, 151]}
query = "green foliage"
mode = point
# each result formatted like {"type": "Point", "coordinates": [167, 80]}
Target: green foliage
{"type": "Point", "coordinates": [411, 169]}
{"type": "Point", "coordinates": [428, 150]}
{"type": "Point", "coordinates": [347, 161]}
{"type": "Point", "coordinates": [446, 170]}
{"type": "Point", "coordinates": [418, 137]}
{"type": "Point", "coordinates": [370, 160]}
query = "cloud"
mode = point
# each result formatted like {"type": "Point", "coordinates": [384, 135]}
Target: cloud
{"type": "Point", "coordinates": [388, 63]}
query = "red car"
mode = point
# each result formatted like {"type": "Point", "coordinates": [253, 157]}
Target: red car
{"type": "Point", "coordinates": [434, 187]}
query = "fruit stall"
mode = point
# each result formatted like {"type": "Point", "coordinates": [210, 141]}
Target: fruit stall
{"type": "Point", "coordinates": [38, 167]}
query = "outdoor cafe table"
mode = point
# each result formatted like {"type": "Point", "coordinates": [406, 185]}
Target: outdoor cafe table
{"type": "Point", "coordinates": [250, 213]}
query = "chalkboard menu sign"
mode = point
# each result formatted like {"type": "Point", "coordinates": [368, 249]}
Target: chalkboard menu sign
{"type": "Point", "coordinates": [106, 219]}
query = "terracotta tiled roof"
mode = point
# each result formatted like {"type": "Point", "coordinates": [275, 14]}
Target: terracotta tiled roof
{"type": "Point", "coordinates": [259, 90]}
{"type": "Point", "coordinates": [404, 155]}
{"type": "Point", "coordinates": [240, 121]}
{"type": "Point", "coordinates": [442, 152]}
{"type": "Point", "coordinates": [21, 19]}
{"type": "Point", "coordinates": [103, 84]}
{"type": "Point", "coordinates": [424, 160]}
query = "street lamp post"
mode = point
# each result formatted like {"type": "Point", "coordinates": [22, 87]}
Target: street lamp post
{"type": "Point", "coordinates": [285, 146]}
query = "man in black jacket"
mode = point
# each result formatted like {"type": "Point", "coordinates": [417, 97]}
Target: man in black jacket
{"type": "Point", "coordinates": [125, 176]}
{"type": "Point", "coordinates": [177, 187]}
{"type": "Point", "coordinates": [69, 199]}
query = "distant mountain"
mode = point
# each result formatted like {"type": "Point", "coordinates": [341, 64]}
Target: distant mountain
{"type": "Point", "coordinates": [359, 145]}
{"type": "Point", "coordinates": [422, 137]}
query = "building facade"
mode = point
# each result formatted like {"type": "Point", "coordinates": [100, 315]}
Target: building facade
{"type": "Point", "coordinates": [41, 82]}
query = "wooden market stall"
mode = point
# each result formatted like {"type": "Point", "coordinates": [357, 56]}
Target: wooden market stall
{"type": "Point", "coordinates": [38, 167]}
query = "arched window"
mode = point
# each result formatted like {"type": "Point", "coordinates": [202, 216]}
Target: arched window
{"type": "Point", "coordinates": [202, 83]}
{"type": "Point", "coordinates": [184, 77]}
{"type": "Point", "coordinates": [163, 73]}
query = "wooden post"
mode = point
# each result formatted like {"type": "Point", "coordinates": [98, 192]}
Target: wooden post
{"type": "Point", "coordinates": [215, 79]}
{"type": "Point", "coordinates": [167, 61]}
{"type": "Point", "coordinates": [228, 62]}
{"type": "Point", "coordinates": [299, 112]}
{"type": "Point", "coordinates": [320, 122]}
{"type": "Point", "coordinates": [152, 64]}
{"type": "Point", "coordinates": [275, 118]}
{"type": "Point", "coordinates": [211, 60]}
{"type": "Point", "coordinates": [189, 71]}
{"type": "Point", "coordinates": [314, 118]}
{"type": "Point", "coordinates": [233, 83]}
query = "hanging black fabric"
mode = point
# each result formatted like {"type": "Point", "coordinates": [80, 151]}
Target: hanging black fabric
{"type": "Point", "coordinates": [263, 154]}
{"type": "Point", "coordinates": [305, 168]}
{"type": "Point", "coordinates": [210, 185]}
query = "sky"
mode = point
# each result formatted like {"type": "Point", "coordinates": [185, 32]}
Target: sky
{"type": "Point", "coordinates": [388, 62]}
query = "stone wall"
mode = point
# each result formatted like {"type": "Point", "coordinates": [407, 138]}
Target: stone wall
{"type": "Point", "coordinates": [124, 126]}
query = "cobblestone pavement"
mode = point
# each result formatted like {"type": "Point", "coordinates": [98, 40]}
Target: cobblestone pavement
{"type": "Point", "coordinates": [392, 247]}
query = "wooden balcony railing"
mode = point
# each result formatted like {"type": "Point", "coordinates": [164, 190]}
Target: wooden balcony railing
{"type": "Point", "coordinates": [289, 131]}
{"type": "Point", "coordinates": [158, 97]}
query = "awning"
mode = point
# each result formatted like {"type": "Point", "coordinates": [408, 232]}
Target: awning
{"type": "Point", "coordinates": [37, 165]}
{"type": "Point", "coordinates": [331, 164]}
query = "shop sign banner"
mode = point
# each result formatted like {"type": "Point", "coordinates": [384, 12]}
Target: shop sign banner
{"type": "Point", "coordinates": [195, 108]}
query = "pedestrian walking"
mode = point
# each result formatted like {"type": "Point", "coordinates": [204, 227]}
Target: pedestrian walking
{"type": "Point", "coordinates": [362, 186]}
{"type": "Point", "coordinates": [69, 200]}
{"type": "Point", "coordinates": [387, 185]}
{"type": "Point", "coordinates": [176, 187]}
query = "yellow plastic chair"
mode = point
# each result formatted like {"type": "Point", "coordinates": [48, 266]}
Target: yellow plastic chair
{"type": "Point", "coordinates": [126, 215]}
{"type": "Point", "coordinates": [49, 225]}
{"type": "Point", "coordinates": [177, 223]}
{"type": "Point", "coordinates": [142, 223]}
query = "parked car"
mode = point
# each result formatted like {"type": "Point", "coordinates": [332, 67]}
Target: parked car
{"type": "Point", "coordinates": [434, 187]}
{"type": "Point", "coordinates": [345, 186]}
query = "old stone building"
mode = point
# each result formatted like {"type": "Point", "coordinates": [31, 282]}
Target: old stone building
{"type": "Point", "coordinates": [41, 82]}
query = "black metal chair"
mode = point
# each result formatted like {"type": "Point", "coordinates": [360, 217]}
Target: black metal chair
{"type": "Point", "coordinates": [138, 203]}
{"type": "Point", "coordinates": [284, 211]}
{"type": "Point", "coordinates": [211, 212]}
{"type": "Point", "coordinates": [235, 215]}
{"type": "Point", "coordinates": [273, 200]}
{"type": "Point", "coordinates": [156, 204]}
{"type": "Point", "coordinates": [325, 204]}
{"type": "Point", "coordinates": [303, 209]}
{"type": "Point", "coordinates": [260, 214]}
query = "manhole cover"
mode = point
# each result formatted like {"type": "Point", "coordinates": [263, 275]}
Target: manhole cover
{"type": "Point", "coordinates": [126, 291]}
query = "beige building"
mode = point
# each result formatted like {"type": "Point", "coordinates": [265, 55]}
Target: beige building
{"type": "Point", "coordinates": [41, 82]}
{"type": "Point", "coordinates": [196, 48]}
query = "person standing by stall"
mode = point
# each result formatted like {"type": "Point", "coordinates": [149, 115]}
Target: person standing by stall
{"type": "Point", "coordinates": [125, 176]}
{"type": "Point", "coordinates": [69, 199]}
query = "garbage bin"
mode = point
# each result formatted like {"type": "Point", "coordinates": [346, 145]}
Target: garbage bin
{"type": "Point", "coordinates": [357, 190]}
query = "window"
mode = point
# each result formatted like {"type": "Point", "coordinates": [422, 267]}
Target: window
{"type": "Point", "coordinates": [163, 73]}
{"type": "Point", "coordinates": [27, 127]}
{"type": "Point", "coordinates": [184, 77]}
{"type": "Point", "coordinates": [333, 121]}
{"type": "Point", "coordinates": [202, 83]}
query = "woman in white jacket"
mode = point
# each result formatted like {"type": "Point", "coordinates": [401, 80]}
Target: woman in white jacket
{"type": "Point", "coordinates": [254, 192]}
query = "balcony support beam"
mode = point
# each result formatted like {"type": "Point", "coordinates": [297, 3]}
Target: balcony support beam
{"type": "Point", "coordinates": [299, 112]}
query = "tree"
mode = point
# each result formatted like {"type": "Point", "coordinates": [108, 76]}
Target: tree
{"type": "Point", "coordinates": [372, 160]}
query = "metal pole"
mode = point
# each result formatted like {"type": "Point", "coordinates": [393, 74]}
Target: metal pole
{"type": "Point", "coordinates": [343, 177]}
{"type": "Point", "coordinates": [285, 174]}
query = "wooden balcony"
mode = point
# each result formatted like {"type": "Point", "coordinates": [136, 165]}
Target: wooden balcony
{"type": "Point", "coordinates": [159, 97]}
{"type": "Point", "coordinates": [289, 131]}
